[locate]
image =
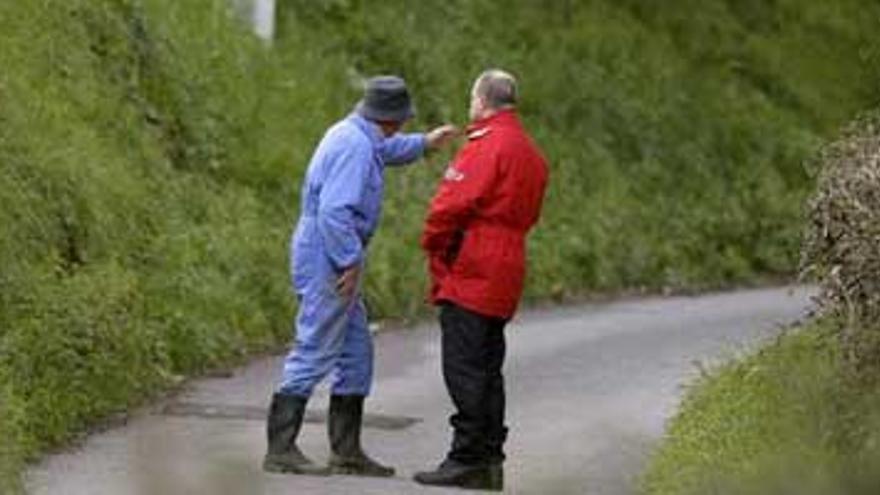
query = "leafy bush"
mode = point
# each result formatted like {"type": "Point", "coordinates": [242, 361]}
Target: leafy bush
{"type": "Point", "coordinates": [136, 245]}
{"type": "Point", "coordinates": [676, 134]}
{"type": "Point", "coordinates": [11, 433]}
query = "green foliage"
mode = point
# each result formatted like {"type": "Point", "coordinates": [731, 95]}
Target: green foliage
{"type": "Point", "coordinates": [139, 243]}
{"type": "Point", "coordinates": [11, 432]}
{"type": "Point", "coordinates": [785, 420]}
{"type": "Point", "coordinates": [151, 151]}
{"type": "Point", "coordinates": [801, 416]}
{"type": "Point", "coordinates": [675, 134]}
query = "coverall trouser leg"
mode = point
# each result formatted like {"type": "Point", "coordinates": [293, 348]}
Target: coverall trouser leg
{"type": "Point", "coordinates": [332, 335]}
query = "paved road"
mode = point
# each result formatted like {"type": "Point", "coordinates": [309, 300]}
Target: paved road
{"type": "Point", "coordinates": [589, 389]}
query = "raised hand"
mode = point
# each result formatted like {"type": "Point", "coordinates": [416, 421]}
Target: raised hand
{"type": "Point", "coordinates": [441, 136]}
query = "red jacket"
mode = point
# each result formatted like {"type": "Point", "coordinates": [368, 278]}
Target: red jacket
{"type": "Point", "coordinates": [485, 206]}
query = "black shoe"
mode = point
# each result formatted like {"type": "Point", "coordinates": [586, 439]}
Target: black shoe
{"type": "Point", "coordinates": [282, 428]}
{"type": "Point", "coordinates": [344, 429]}
{"type": "Point", "coordinates": [451, 473]}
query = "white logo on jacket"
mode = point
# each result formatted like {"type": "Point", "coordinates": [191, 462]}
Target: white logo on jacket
{"type": "Point", "coordinates": [478, 133]}
{"type": "Point", "coordinates": [453, 175]}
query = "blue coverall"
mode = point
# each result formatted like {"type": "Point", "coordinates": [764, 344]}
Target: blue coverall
{"type": "Point", "coordinates": [340, 208]}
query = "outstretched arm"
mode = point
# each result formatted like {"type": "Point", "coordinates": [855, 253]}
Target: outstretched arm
{"type": "Point", "coordinates": [402, 149]}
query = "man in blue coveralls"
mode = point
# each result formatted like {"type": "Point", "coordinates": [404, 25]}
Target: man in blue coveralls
{"type": "Point", "coordinates": [340, 207]}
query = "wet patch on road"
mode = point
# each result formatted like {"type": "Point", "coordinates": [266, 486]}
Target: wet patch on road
{"type": "Point", "coordinates": [255, 413]}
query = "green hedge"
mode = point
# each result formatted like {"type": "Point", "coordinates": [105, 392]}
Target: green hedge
{"type": "Point", "coordinates": [137, 244]}
{"type": "Point", "coordinates": [676, 132]}
{"type": "Point", "coordinates": [150, 154]}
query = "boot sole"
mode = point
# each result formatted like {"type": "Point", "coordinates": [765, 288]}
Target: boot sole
{"type": "Point", "coordinates": [466, 483]}
{"type": "Point", "coordinates": [357, 471]}
{"type": "Point", "coordinates": [465, 486]}
{"type": "Point", "coordinates": [278, 468]}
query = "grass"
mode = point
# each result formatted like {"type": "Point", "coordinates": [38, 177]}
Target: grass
{"type": "Point", "coordinates": [151, 151]}
{"type": "Point", "coordinates": [802, 415]}
{"type": "Point", "coordinates": [786, 420]}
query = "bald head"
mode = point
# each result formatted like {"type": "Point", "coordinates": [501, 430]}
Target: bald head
{"type": "Point", "coordinates": [493, 90]}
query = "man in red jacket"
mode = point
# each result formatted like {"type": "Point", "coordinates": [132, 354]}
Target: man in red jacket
{"type": "Point", "coordinates": [475, 240]}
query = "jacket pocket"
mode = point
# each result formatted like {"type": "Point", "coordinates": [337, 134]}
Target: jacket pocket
{"type": "Point", "coordinates": [468, 257]}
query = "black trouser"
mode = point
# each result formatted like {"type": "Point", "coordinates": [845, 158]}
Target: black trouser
{"type": "Point", "coordinates": [473, 354]}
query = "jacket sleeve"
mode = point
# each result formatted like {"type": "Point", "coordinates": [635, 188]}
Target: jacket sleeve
{"type": "Point", "coordinates": [469, 180]}
{"type": "Point", "coordinates": [340, 197]}
{"type": "Point", "coordinates": [402, 149]}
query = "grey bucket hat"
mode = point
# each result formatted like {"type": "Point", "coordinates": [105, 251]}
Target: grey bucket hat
{"type": "Point", "coordinates": [386, 99]}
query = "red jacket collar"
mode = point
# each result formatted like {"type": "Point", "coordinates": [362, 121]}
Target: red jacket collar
{"type": "Point", "coordinates": [503, 117]}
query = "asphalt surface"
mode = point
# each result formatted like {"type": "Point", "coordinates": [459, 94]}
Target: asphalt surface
{"type": "Point", "coordinates": [589, 390]}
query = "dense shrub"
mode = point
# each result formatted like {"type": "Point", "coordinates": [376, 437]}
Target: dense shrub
{"type": "Point", "coordinates": [676, 132]}
{"type": "Point", "coordinates": [135, 246]}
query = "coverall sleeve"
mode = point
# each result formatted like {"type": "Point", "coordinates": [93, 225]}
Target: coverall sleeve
{"type": "Point", "coordinates": [455, 204]}
{"type": "Point", "coordinates": [339, 200]}
{"type": "Point", "coordinates": [402, 149]}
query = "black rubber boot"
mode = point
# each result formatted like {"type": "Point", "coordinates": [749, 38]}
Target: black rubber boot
{"type": "Point", "coordinates": [282, 427]}
{"type": "Point", "coordinates": [488, 477]}
{"type": "Point", "coordinates": [344, 428]}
